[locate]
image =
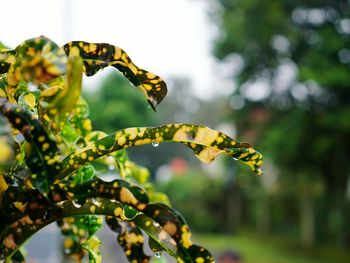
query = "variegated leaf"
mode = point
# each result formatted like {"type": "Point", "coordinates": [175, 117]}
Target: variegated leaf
{"type": "Point", "coordinates": [100, 55]}
{"type": "Point", "coordinates": [206, 143]}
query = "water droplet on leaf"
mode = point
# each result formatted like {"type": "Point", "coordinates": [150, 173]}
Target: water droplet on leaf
{"type": "Point", "coordinates": [76, 204]}
{"type": "Point", "coordinates": [158, 254]}
{"type": "Point", "coordinates": [46, 215]}
{"type": "Point", "coordinates": [155, 224]}
{"type": "Point", "coordinates": [155, 144]}
{"type": "Point", "coordinates": [190, 136]}
{"type": "Point", "coordinates": [259, 171]}
{"type": "Point", "coordinates": [95, 202]}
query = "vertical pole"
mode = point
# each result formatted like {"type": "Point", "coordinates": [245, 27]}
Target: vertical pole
{"type": "Point", "coordinates": [67, 20]}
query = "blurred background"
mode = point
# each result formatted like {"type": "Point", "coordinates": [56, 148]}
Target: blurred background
{"type": "Point", "coordinates": [273, 73]}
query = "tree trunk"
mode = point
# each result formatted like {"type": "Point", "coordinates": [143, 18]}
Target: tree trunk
{"type": "Point", "coordinates": [263, 214]}
{"type": "Point", "coordinates": [234, 210]}
{"type": "Point", "coordinates": [307, 221]}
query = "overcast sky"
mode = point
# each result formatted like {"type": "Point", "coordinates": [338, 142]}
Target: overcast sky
{"type": "Point", "coordinates": [167, 37]}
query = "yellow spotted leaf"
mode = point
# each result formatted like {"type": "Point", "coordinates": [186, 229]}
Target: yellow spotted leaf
{"type": "Point", "coordinates": [206, 143]}
{"type": "Point", "coordinates": [97, 56]}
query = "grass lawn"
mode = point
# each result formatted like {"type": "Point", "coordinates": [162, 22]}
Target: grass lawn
{"type": "Point", "coordinates": [256, 249]}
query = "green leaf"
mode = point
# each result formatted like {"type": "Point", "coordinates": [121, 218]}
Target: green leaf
{"type": "Point", "coordinates": [92, 246]}
{"type": "Point", "coordinates": [70, 136]}
{"type": "Point", "coordinates": [32, 130]}
{"type": "Point", "coordinates": [206, 143]}
{"type": "Point", "coordinates": [44, 158]}
{"type": "Point", "coordinates": [28, 100]}
{"type": "Point", "coordinates": [84, 174]}
{"type": "Point", "coordinates": [7, 57]}
{"type": "Point", "coordinates": [18, 257]}
{"type": "Point", "coordinates": [4, 67]}
{"type": "Point", "coordinates": [80, 121]}
{"type": "Point", "coordinates": [17, 232]}
{"type": "Point", "coordinates": [130, 170]}
{"type": "Point", "coordinates": [175, 225]}
{"type": "Point", "coordinates": [22, 87]}
{"type": "Point", "coordinates": [130, 238]}
{"type": "Point", "coordinates": [161, 240]}
{"type": "Point", "coordinates": [40, 53]}
{"type": "Point", "coordinates": [119, 190]}
{"type": "Point", "coordinates": [100, 55]}
{"type": "Point", "coordinates": [79, 231]}
{"type": "Point", "coordinates": [7, 153]}
{"type": "Point", "coordinates": [66, 99]}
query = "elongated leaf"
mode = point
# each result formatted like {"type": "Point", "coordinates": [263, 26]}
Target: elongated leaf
{"type": "Point", "coordinates": [66, 99]}
{"type": "Point", "coordinates": [17, 201]}
{"type": "Point", "coordinates": [46, 150]}
{"type": "Point", "coordinates": [175, 225]}
{"type": "Point", "coordinates": [168, 219]}
{"type": "Point", "coordinates": [118, 190]}
{"type": "Point", "coordinates": [92, 246]}
{"type": "Point", "coordinates": [131, 239]}
{"type": "Point", "coordinates": [205, 142]}
{"type": "Point", "coordinates": [19, 231]}
{"type": "Point", "coordinates": [159, 239]}
{"type": "Point", "coordinates": [50, 61]}
{"type": "Point", "coordinates": [99, 55]}
{"type": "Point", "coordinates": [45, 158]}
{"type": "Point", "coordinates": [169, 224]}
{"type": "Point", "coordinates": [79, 232]}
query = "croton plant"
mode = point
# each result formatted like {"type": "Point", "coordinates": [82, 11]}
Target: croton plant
{"type": "Point", "coordinates": [51, 159]}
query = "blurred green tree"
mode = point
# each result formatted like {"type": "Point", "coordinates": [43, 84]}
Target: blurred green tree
{"type": "Point", "coordinates": [293, 80]}
{"type": "Point", "coordinates": [194, 197]}
{"type": "Point", "coordinates": [109, 107]}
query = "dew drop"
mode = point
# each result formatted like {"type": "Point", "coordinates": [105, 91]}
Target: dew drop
{"type": "Point", "coordinates": [158, 254]}
{"type": "Point", "coordinates": [67, 251]}
{"type": "Point", "coordinates": [95, 202]}
{"type": "Point", "coordinates": [46, 215]}
{"type": "Point", "coordinates": [111, 167]}
{"type": "Point", "coordinates": [190, 136]}
{"type": "Point", "coordinates": [77, 205]}
{"type": "Point", "coordinates": [155, 144]}
{"type": "Point", "coordinates": [155, 224]}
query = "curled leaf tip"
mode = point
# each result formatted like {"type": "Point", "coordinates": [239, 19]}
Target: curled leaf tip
{"type": "Point", "coordinates": [153, 106]}
{"type": "Point", "coordinates": [153, 103]}
{"type": "Point", "coordinates": [97, 56]}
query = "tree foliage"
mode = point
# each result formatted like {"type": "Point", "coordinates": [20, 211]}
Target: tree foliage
{"type": "Point", "coordinates": [299, 50]}
{"type": "Point", "coordinates": [51, 155]}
